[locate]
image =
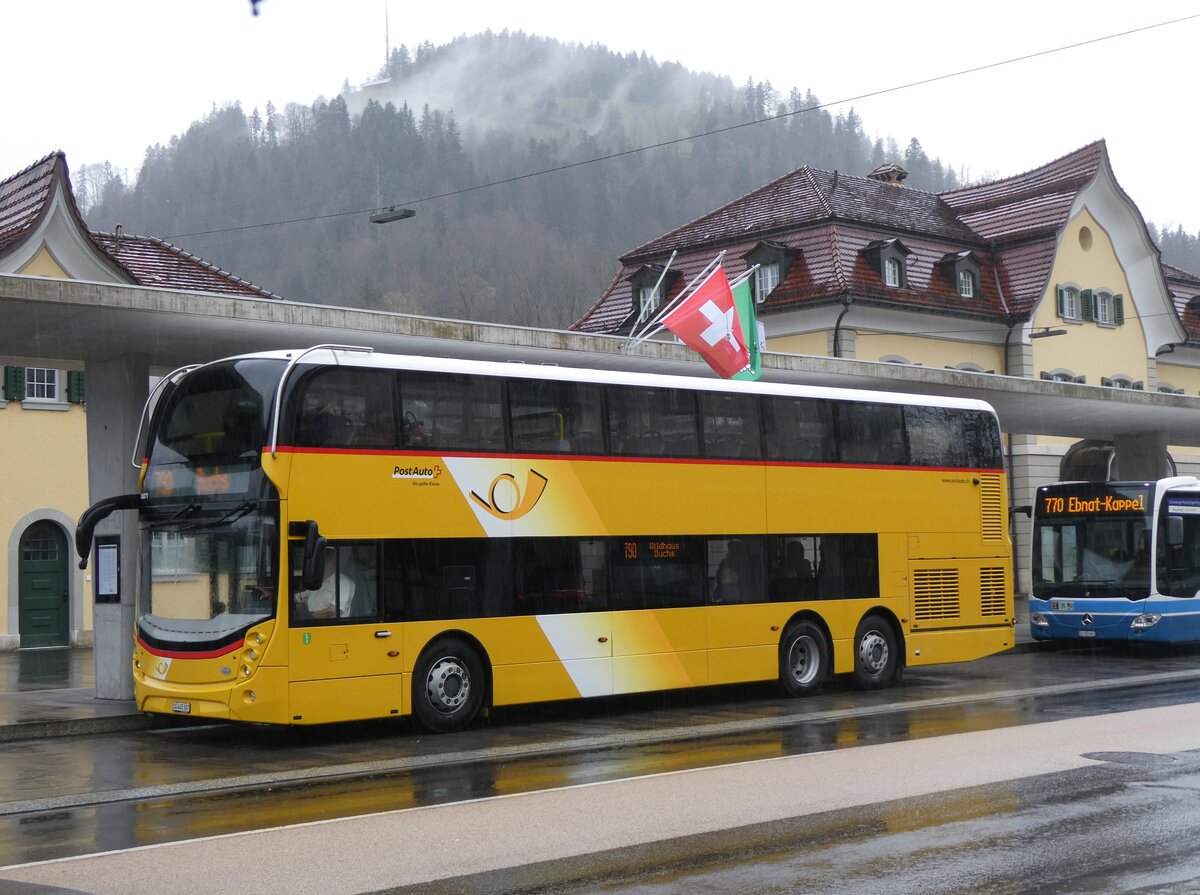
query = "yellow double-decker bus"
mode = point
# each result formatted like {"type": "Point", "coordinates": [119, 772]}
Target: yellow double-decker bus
{"type": "Point", "coordinates": [334, 534]}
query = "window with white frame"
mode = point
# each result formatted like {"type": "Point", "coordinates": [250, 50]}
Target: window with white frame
{"type": "Point", "coordinates": [891, 272]}
{"type": "Point", "coordinates": [766, 278]}
{"type": "Point", "coordinates": [966, 284]}
{"type": "Point", "coordinates": [1069, 307]}
{"type": "Point", "coordinates": [1103, 310]}
{"type": "Point", "coordinates": [650, 300]}
{"type": "Point", "coordinates": [42, 384]}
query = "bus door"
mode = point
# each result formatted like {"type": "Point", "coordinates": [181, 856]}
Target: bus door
{"type": "Point", "coordinates": [345, 664]}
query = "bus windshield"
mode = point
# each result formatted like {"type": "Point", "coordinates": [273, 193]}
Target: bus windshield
{"type": "Point", "coordinates": [205, 582]}
{"type": "Point", "coordinates": [210, 429]}
{"type": "Point", "coordinates": [1092, 540]}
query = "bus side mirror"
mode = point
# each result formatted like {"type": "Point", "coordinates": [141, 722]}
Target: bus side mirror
{"type": "Point", "coordinates": [1175, 531]}
{"type": "Point", "coordinates": [1025, 510]}
{"type": "Point", "coordinates": [313, 568]}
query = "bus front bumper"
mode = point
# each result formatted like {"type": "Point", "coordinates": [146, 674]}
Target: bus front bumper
{"type": "Point", "coordinates": [260, 698]}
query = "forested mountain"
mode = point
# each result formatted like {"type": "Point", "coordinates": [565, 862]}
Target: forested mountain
{"type": "Point", "coordinates": [1178, 248]}
{"type": "Point", "coordinates": [486, 109]}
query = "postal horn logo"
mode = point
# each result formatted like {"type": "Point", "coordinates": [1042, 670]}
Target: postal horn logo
{"type": "Point", "coordinates": [525, 500]}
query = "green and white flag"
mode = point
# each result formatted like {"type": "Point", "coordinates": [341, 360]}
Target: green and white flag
{"type": "Point", "coordinates": [752, 330]}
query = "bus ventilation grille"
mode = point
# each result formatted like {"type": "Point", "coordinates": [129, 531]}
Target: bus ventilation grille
{"type": "Point", "coordinates": [992, 590]}
{"type": "Point", "coordinates": [935, 593]}
{"type": "Point", "coordinates": [991, 507]}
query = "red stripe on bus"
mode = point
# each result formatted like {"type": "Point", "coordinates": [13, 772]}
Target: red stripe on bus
{"type": "Point", "coordinates": [617, 458]}
{"type": "Point", "coordinates": [207, 654]}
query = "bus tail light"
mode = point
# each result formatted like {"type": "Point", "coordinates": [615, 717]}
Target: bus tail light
{"type": "Point", "coordinates": [1146, 620]}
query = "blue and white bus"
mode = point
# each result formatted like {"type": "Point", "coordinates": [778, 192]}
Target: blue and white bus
{"type": "Point", "coordinates": [1117, 561]}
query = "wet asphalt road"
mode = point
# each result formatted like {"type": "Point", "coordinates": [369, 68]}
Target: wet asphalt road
{"type": "Point", "coordinates": [81, 795]}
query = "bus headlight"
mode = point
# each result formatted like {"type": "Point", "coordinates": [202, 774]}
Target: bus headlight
{"type": "Point", "coordinates": [1039, 620]}
{"type": "Point", "coordinates": [1146, 620]}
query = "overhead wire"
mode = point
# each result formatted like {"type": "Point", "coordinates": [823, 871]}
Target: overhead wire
{"type": "Point", "coordinates": [686, 139]}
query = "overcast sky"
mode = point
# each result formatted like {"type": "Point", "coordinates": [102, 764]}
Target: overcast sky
{"type": "Point", "coordinates": [104, 80]}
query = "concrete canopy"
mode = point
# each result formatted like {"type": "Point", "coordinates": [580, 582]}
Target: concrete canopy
{"type": "Point", "coordinates": [48, 320]}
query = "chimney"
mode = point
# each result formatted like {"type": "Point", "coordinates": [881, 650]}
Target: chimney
{"type": "Point", "coordinates": [889, 173]}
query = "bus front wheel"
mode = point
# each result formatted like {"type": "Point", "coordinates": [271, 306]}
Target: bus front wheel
{"type": "Point", "coordinates": [875, 653]}
{"type": "Point", "coordinates": [448, 686]}
{"type": "Point", "coordinates": [803, 659]}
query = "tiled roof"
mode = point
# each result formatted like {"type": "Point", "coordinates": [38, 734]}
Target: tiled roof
{"type": "Point", "coordinates": [1185, 292]}
{"type": "Point", "coordinates": [152, 262]}
{"type": "Point", "coordinates": [26, 196]}
{"type": "Point", "coordinates": [810, 196]}
{"type": "Point", "coordinates": [829, 262]}
{"type": "Point", "coordinates": [1011, 226]}
{"type": "Point", "coordinates": [1031, 204]}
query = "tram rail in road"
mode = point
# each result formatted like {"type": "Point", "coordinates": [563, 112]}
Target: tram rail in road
{"type": "Point", "coordinates": [927, 690]}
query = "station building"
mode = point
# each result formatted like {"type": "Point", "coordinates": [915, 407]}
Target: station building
{"type": "Point", "coordinates": [46, 599]}
{"type": "Point", "coordinates": [1049, 274]}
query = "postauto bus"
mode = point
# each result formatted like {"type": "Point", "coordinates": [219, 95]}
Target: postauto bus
{"type": "Point", "coordinates": [334, 534]}
{"type": "Point", "coordinates": [1117, 561]}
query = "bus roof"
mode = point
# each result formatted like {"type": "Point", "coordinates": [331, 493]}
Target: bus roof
{"type": "Point", "coordinates": [367, 358]}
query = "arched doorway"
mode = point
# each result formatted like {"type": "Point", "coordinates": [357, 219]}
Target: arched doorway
{"type": "Point", "coordinates": [43, 586]}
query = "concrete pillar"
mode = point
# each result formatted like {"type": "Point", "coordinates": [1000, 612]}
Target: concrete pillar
{"type": "Point", "coordinates": [847, 341]}
{"type": "Point", "coordinates": [1142, 456]}
{"type": "Point", "coordinates": [117, 391]}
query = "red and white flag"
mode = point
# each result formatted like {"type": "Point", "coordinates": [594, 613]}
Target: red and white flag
{"type": "Point", "coordinates": [707, 320]}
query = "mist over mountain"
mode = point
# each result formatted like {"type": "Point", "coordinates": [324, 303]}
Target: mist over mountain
{"type": "Point", "coordinates": [438, 124]}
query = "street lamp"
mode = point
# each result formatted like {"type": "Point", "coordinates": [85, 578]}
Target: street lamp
{"type": "Point", "coordinates": [391, 213]}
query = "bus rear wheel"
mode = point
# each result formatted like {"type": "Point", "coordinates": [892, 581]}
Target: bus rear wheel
{"type": "Point", "coordinates": [803, 659]}
{"type": "Point", "coordinates": [448, 686]}
{"type": "Point", "coordinates": [876, 653]}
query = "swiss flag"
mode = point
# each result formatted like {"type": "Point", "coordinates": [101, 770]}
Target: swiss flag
{"type": "Point", "coordinates": [708, 322]}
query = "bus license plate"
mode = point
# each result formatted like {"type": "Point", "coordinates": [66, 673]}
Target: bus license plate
{"type": "Point", "coordinates": [1087, 633]}
{"type": "Point", "coordinates": [184, 708]}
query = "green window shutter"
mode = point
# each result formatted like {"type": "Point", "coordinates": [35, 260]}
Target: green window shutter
{"type": "Point", "coordinates": [76, 387]}
{"type": "Point", "coordinates": [1062, 302]}
{"type": "Point", "coordinates": [1082, 380]}
{"type": "Point", "coordinates": [1087, 301]}
{"type": "Point", "coordinates": [14, 383]}
{"type": "Point", "coordinates": [1049, 377]}
{"type": "Point", "coordinates": [1118, 310]}
{"type": "Point", "coordinates": [1106, 382]}
{"type": "Point", "coordinates": [1139, 386]}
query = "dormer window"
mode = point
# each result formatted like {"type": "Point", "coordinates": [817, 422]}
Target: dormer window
{"type": "Point", "coordinates": [766, 278]}
{"type": "Point", "coordinates": [889, 259]}
{"type": "Point", "coordinates": [649, 300]}
{"type": "Point", "coordinates": [961, 270]}
{"type": "Point", "coordinates": [648, 293]}
{"type": "Point", "coordinates": [773, 260]}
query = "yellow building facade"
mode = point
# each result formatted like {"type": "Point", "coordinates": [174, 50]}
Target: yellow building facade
{"type": "Point", "coordinates": [47, 600]}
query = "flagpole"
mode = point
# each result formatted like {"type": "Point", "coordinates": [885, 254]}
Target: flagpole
{"type": "Point", "coordinates": [745, 276]}
{"type": "Point", "coordinates": [682, 296]}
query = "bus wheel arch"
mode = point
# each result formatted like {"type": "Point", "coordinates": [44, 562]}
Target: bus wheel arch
{"type": "Point", "coordinates": [878, 649]}
{"type": "Point", "coordinates": [805, 654]}
{"type": "Point", "coordinates": [451, 682]}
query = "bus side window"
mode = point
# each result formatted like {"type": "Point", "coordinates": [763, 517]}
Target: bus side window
{"type": "Point", "coordinates": [730, 425]}
{"type": "Point", "coordinates": [871, 433]}
{"type": "Point", "coordinates": [452, 411]}
{"type": "Point", "coordinates": [799, 429]}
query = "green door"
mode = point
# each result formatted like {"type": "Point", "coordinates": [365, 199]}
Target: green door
{"type": "Point", "coordinates": [42, 585]}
